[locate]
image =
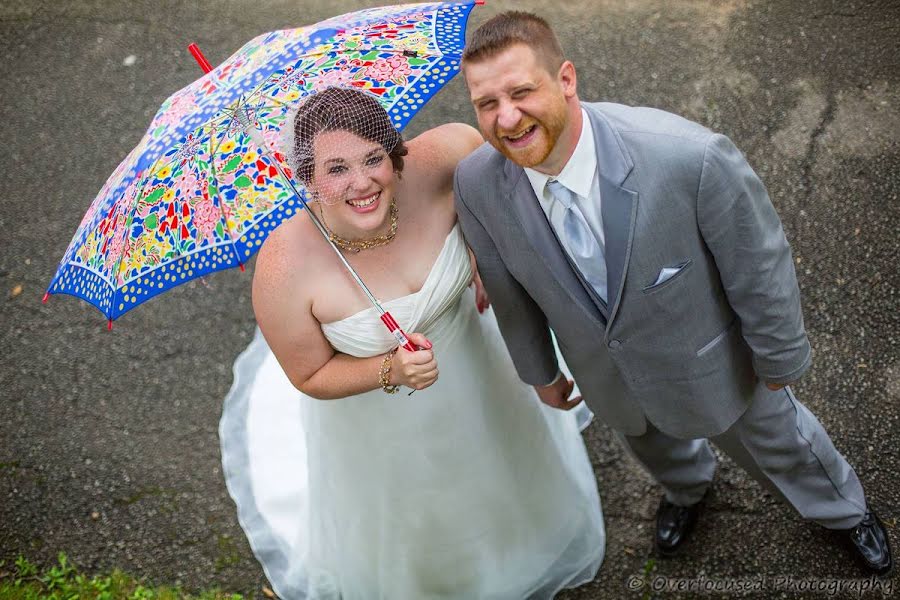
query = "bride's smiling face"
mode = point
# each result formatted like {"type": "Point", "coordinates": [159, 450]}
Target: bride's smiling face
{"type": "Point", "coordinates": [354, 178]}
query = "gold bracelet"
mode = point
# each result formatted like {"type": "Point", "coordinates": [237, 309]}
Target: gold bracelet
{"type": "Point", "coordinates": [384, 376]}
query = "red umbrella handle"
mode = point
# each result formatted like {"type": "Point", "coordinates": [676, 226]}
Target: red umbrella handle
{"type": "Point", "coordinates": [392, 325]}
{"type": "Point", "coordinates": [404, 342]}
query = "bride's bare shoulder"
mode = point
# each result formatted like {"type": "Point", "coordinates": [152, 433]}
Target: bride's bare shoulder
{"type": "Point", "coordinates": [445, 144]}
{"type": "Point", "coordinates": [435, 153]}
{"type": "Point", "coordinates": [285, 257]}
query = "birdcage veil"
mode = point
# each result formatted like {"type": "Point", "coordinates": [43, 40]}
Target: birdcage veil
{"type": "Point", "coordinates": [336, 109]}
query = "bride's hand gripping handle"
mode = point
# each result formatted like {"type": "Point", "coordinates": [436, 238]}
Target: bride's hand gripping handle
{"type": "Point", "coordinates": [416, 369]}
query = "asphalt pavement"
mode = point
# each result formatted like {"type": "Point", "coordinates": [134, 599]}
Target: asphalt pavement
{"type": "Point", "coordinates": [108, 440]}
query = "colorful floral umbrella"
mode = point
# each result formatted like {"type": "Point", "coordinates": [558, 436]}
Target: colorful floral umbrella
{"type": "Point", "coordinates": [199, 194]}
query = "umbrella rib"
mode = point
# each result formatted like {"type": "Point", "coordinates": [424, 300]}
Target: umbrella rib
{"type": "Point", "coordinates": [212, 168]}
{"type": "Point", "coordinates": [129, 218]}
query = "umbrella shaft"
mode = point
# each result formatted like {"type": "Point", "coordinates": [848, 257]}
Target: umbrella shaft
{"type": "Point", "coordinates": [386, 318]}
{"type": "Point", "coordinates": [243, 117]}
{"type": "Point", "coordinates": [325, 233]}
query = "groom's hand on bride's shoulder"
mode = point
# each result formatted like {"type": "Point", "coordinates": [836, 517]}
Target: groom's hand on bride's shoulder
{"type": "Point", "coordinates": [557, 394]}
{"type": "Point", "coordinates": [481, 296]}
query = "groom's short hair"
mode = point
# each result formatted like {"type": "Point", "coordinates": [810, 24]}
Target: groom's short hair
{"type": "Point", "coordinates": [515, 27]}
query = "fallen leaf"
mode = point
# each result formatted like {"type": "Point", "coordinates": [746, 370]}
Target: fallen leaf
{"type": "Point", "coordinates": [95, 515]}
{"type": "Point", "coordinates": [15, 291]}
{"type": "Point", "coordinates": [268, 593]}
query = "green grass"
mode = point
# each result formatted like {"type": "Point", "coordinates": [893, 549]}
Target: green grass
{"type": "Point", "coordinates": [23, 580]}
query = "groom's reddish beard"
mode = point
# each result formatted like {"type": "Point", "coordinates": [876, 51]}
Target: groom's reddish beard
{"type": "Point", "coordinates": [547, 132]}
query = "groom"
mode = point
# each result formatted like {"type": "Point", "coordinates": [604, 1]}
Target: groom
{"type": "Point", "coordinates": [651, 249]}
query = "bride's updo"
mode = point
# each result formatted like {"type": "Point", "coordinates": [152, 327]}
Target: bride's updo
{"type": "Point", "coordinates": [342, 109]}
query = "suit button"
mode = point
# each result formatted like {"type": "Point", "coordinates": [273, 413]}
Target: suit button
{"type": "Point", "coordinates": [615, 343]}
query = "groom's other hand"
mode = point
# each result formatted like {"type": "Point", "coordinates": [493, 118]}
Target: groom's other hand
{"type": "Point", "coordinates": [557, 394]}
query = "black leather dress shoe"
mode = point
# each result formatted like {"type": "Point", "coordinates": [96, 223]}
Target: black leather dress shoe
{"type": "Point", "coordinates": [869, 542]}
{"type": "Point", "coordinates": [673, 525]}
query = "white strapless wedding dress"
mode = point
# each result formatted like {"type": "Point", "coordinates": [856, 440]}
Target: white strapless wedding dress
{"type": "Point", "coordinates": [469, 489]}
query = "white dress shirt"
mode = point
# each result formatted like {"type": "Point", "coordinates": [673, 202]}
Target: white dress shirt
{"type": "Point", "coordinates": [580, 176]}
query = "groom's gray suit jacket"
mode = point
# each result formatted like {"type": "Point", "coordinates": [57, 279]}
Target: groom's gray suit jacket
{"type": "Point", "coordinates": [684, 353]}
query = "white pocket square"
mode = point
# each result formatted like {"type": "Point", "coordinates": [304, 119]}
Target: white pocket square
{"type": "Point", "coordinates": [667, 273]}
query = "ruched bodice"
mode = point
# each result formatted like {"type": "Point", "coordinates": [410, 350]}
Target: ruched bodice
{"type": "Point", "coordinates": [429, 311]}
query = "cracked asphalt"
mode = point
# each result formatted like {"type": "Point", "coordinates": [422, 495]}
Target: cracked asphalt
{"type": "Point", "coordinates": [108, 440]}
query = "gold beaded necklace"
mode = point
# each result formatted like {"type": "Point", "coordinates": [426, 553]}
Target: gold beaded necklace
{"type": "Point", "coordinates": [359, 245]}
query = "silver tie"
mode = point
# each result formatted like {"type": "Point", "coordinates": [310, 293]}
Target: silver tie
{"type": "Point", "coordinates": [583, 245]}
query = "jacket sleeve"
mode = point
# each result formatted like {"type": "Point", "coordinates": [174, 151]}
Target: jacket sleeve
{"type": "Point", "coordinates": [522, 323]}
{"type": "Point", "coordinates": [744, 234]}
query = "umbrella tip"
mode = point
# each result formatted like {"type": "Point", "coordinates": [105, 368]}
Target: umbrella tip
{"type": "Point", "coordinates": [241, 265]}
{"type": "Point", "coordinates": [198, 56]}
{"type": "Point", "coordinates": [479, 2]}
{"type": "Point", "coordinates": [45, 298]}
{"type": "Point", "coordinates": [109, 325]}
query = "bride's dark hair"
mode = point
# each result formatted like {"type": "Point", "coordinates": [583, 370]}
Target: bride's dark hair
{"type": "Point", "coordinates": [343, 109]}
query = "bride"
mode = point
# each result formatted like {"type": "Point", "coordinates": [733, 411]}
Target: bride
{"type": "Point", "coordinates": [468, 488]}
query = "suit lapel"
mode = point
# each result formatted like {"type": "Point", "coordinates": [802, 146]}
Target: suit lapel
{"type": "Point", "coordinates": [618, 206]}
{"type": "Point", "coordinates": [526, 207]}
